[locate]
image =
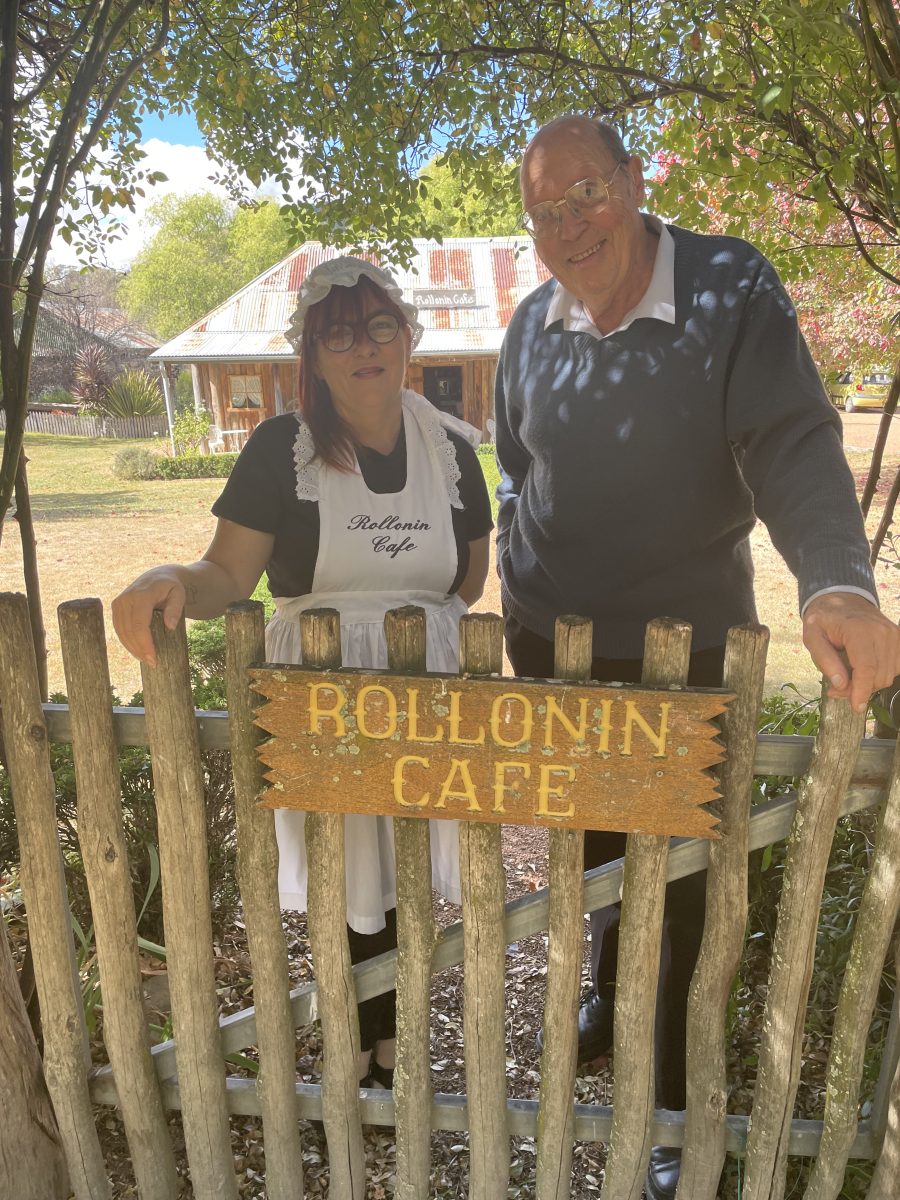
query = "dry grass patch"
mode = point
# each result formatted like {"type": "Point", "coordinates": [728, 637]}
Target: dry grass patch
{"type": "Point", "coordinates": [95, 533]}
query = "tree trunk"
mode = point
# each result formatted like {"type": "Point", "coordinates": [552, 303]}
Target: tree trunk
{"type": "Point", "coordinates": [890, 407]}
{"type": "Point", "coordinates": [32, 1166]}
{"type": "Point", "coordinates": [32, 581]}
{"type": "Point", "coordinates": [886, 518]}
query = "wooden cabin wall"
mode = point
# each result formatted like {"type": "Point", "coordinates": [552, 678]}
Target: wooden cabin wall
{"type": "Point", "coordinates": [415, 380]}
{"type": "Point", "coordinates": [477, 380]}
{"type": "Point", "coordinates": [477, 377]}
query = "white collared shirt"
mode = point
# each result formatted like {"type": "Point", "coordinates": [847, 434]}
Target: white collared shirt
{"type": "Point", "coordinates": [657, 302]}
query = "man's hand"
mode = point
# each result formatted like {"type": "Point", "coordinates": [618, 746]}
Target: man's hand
{"type": "Point", "coordinates": [842, 628]}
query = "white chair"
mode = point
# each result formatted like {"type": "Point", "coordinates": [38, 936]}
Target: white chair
{"type": "Point", "coordinates": [215, 443]}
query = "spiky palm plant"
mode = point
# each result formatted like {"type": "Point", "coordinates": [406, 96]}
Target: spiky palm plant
{"type": "Point", "coordinates": [134, 393]}
{"type": "Point", "coordinates": [92, 377]}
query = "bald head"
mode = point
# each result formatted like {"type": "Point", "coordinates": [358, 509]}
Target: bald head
{"type": "Point", "coordinates": [591, 133]}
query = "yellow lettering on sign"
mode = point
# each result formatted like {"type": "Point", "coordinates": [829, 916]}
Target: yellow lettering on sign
{"type": "Point", "coordinates": [466, 792]}
{"type": "Point", "coordinates": [546, 793]}
{"type": "Point", "coordinates": [455, 718]}
{"type": "Point", "coordinates": [501, 787]}
{"type": "Point", "coordinates": [555, 713]}
{"type": "Point", "coordinates": [398, 781]}
{"type": "Point", "coordinates": [502, 706]}
{"type": "Point", "coordinates": [605, 726]}
{"type": "Point", "coordinates": [633, 717]}
{"type": "Point", "coordinates": [318, 713]}
{"type": "Point", "coordinates": [362, 719]}
{"type": "Point", "coordinates": [412, 707]}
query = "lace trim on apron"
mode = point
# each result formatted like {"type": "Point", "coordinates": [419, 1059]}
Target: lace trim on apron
{"type": "Point", "coordinates": [430, 421]}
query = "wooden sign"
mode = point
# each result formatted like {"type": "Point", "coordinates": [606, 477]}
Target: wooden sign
{"type": "Point", "coordinates": [508, 751]}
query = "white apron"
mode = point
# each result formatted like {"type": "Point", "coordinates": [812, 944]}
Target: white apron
{"type": "Point", "coordinates": [376, 552]}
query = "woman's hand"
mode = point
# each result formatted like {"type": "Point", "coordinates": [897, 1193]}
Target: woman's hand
{"type": "Point", "coordinates": [228, 571]}
{"type": "Point", "coordinates": [161, 589]}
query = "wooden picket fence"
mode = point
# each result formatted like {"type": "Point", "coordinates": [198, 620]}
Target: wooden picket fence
{"type": "Point", "coordinates": [841, 774]}
{"type": "Point", "coordinates": [65, 424]}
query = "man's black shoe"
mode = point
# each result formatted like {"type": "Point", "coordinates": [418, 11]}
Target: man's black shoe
{"type": "Point", "coordinates": [663, 1173]}
{"type": "Point", "coordinates": [595, 1027]}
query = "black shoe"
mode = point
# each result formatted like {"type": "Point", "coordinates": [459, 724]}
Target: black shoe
{"type": "Point", "coordinates": [663, 1173]}
{"type": "Point", "coordinates": [595, 1027]}
{"type": "Point", "coordinates": [378, 1077]}
{"type": "Point", "coordinates": [382, 1078]}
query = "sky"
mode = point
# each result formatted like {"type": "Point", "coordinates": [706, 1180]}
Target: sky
{"type": "Point", "coordinates": [174, 145]}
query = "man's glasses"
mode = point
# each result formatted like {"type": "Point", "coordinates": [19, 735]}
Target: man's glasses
{"type": "Point", "coordinates": [381, 328]}
{"type": "Point", "coordinates": [588, 196]}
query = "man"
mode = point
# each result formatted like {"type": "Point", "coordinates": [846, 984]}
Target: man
{"type": "Point", "coordinates": [652, 400]}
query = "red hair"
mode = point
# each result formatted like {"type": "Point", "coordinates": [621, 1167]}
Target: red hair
{"type": "Point", "coordinates": [331, 437]}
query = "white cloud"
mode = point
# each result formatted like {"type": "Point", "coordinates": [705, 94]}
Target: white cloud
{"type": "Point", "coordinates": [187, 168]}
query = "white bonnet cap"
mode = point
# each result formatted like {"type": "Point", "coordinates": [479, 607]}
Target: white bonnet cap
{"type": "Point", "coordinates": [345, 271]}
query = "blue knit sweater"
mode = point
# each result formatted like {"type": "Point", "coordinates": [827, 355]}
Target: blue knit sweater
{"type": "Point", "coordinates": [633, 468]}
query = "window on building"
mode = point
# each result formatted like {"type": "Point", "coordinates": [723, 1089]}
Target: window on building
{"type": "Point", "coordinates": [245, 391]}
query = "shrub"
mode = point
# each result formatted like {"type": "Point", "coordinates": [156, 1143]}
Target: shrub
{"type": "Point", "coordinates": [200, 466]}
{"type": "Point", "coordinates": [188, 430]}
{"type": "Point", "coordinates": [134, 393]}
{"type": "Point", "coordinates": [134, 462]}
{"type": "Point", "coordinates": [56, 395]}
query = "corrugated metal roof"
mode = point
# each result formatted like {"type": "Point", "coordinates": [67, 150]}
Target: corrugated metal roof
{"type": "Point", "coordinates": [55, 336]}
{"type": "Point", "coordinates": [498, 271]}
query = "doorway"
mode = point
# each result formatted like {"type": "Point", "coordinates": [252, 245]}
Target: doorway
{"type": "Point", "coordinates": [443, 387]}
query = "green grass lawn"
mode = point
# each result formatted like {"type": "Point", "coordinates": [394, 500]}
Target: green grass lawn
{"type": "Point", "coordinates": [491, 474]}
{"type": "Point", "coordinates": [95, 533]}
{"type": "Point", "coordinates": [71, 477]}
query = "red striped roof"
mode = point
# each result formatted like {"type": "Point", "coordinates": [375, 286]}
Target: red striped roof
{"type": "Point", "coordinates": [489, 276]}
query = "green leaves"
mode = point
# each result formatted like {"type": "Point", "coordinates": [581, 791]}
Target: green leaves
{"type": "Point", "coordinates": [204, 249]}
{"type": "Point", "coordinates": [469, 196]}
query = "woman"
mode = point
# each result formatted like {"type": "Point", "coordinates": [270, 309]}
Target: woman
{"type": "Point", "coordinates": [313, 500]}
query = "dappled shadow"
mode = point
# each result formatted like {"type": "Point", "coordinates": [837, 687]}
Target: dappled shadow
{"type": "Point", "coordinates": [76, 506]}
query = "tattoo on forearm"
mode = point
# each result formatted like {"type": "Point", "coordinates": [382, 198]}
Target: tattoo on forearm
{"type": "Point", "coordinates": [190, 593]}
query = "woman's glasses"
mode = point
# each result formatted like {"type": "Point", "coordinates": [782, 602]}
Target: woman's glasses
{"type": "Point", "coordinates": [381, 328]}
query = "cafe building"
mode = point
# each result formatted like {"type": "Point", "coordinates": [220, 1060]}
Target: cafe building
{"type": "Point", "coordinates": [465, 289]}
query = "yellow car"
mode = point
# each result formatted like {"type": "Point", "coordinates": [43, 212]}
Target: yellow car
{"type": "Point", "coordinates": [852, 392]}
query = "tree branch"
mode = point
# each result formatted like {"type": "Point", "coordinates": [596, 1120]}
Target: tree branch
{"type": "Point", "coordinates": [55, 61]}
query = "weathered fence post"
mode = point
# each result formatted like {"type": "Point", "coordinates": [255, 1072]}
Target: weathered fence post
{"type": "Point", "coordinates": [320, 636]}
{"type": "Point", "coordinates": [808, 849]}
{"type": "Point", "coordinates": [181, 821]}
{"type": "Point", "coordinates": [105, 857]}
{"type": "Point", "coordinates": [484, 1001]}
{"type": "Point", "coordinates": [726, 920]}
{"type": "Point", "coordinates": [859, 991]}
{"type": "Point", "coordinates": [257, 873]}
{"type": "Point", "coordinates": [416, 936]}
{"type": "Point", "coordinates": [887, 1167]}
{"type": "Point", "coordinates": [667, 650]}
{"type": "Point", "coordinates": [66, 1057]}
{"type": "Point", "coordinates": [559, 1058]}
